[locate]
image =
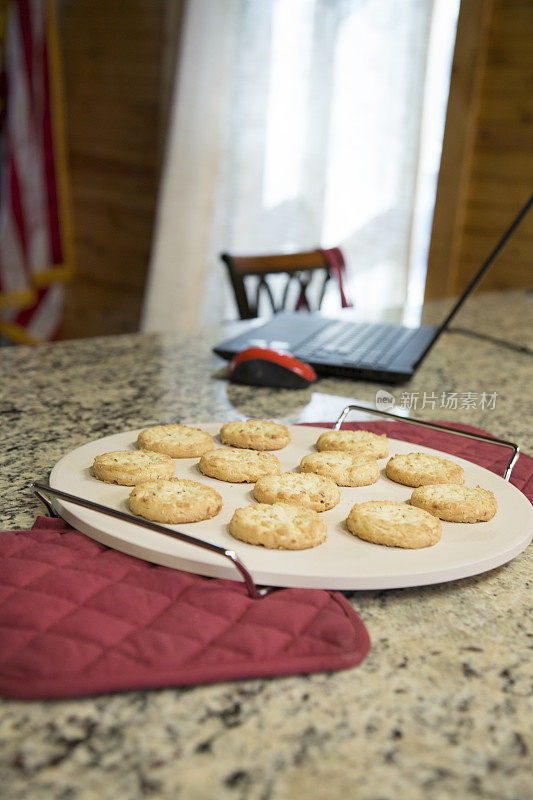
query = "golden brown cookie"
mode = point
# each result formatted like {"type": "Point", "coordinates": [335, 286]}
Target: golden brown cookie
{"type": "Point", "coordinates": [255, 434]}
{"type": "Point", "coordinates": [354, 441]}
{"type": "Point", "coordinates": [419, 469]}
{"type": "Point", "coordinates": [456, 503]}
{"type": "Point", "coordinates": [310, 490]}
{"type": "Point", "coordinates": [280, 526]}
{"type": "Point", "coordinates": [174, 501]}
{"type": "Point", "coordinates": [128, 467]}
{"type": "Point", "coordinates": [177, 441]}
{"type": "Point", "coordinates": [394, 524]}
{"type": "Point", "coordinates": [345, 468]}
{"type": "Point", "coordinates": [237, 465]}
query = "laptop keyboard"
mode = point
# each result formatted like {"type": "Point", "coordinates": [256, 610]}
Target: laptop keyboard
{"type": "Point", "coordinates": [373, 345]}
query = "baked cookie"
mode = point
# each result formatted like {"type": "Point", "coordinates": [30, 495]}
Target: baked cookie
{"type": "Point", "coordinates": [394, 524]}
{"type": "Point", "coordinates": [280, 526]}
{"type": "Point", "coordinates": [174, 500]}
{"type": "Point", "coordinates": [255, 434]}
{"type": "Point", "coordinates": [419, 469]}
{"type": "Point", "coordinates": [456, 503]}
{"type": "Point", "coordinates": [128, 467]}
{"type": "Point", "coordinates": [354, 441]}
{"type": "Point", "coordinates": [345, 468]}
{"type": "Point", "coordinates": [178, 441]}
{"type": "Point", "coordinates": [310, 490]}
{"type": "Point", "coordinates": [238, 466]}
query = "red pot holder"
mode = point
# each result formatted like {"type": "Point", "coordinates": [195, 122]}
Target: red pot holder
{"type": "Point", "coordinates": [77, 618]}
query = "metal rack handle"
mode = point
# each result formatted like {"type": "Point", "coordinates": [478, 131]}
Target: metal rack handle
{"type": "Point", "coordinates": [40, 488]}
{"type": "Point", "coordinates": [435, 426]}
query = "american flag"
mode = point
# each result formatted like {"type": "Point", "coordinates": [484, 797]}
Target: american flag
{"type": "Point", "coordinates": [35, 250]}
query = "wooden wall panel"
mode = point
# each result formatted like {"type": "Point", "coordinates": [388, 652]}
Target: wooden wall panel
{"type": "Point", "coordinates": [497, 165]}
{"type": "Point", "coordinates": [118, 62]}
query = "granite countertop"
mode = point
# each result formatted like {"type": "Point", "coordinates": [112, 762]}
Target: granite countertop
{"type": "Point", "coordinates": [439, 709]}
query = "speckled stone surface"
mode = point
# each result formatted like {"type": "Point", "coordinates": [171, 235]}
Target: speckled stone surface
{"type": "Point", "coordinates": [442, 706]}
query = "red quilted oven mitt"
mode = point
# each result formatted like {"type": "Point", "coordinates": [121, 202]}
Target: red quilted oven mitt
{"type": "Point", "coordinates": [77, 618]}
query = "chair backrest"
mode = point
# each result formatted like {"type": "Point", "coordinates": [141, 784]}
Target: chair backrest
{"type": "Point", "coordinates": [297, 267]}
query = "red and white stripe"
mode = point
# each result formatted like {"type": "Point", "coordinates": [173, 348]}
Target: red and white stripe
{"type": "Point", "coordinates": [30, 235]}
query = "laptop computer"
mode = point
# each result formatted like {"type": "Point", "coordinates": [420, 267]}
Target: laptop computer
{"type": "Point", "coordinates": [358, 350]}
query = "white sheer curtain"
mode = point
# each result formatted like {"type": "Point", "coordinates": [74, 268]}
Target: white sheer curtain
{"type": "Point", "coordinates": [301, 123]}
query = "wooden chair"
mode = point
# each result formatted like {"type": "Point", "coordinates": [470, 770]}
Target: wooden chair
{"type": "Point", "coordinates": [298, 268]}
